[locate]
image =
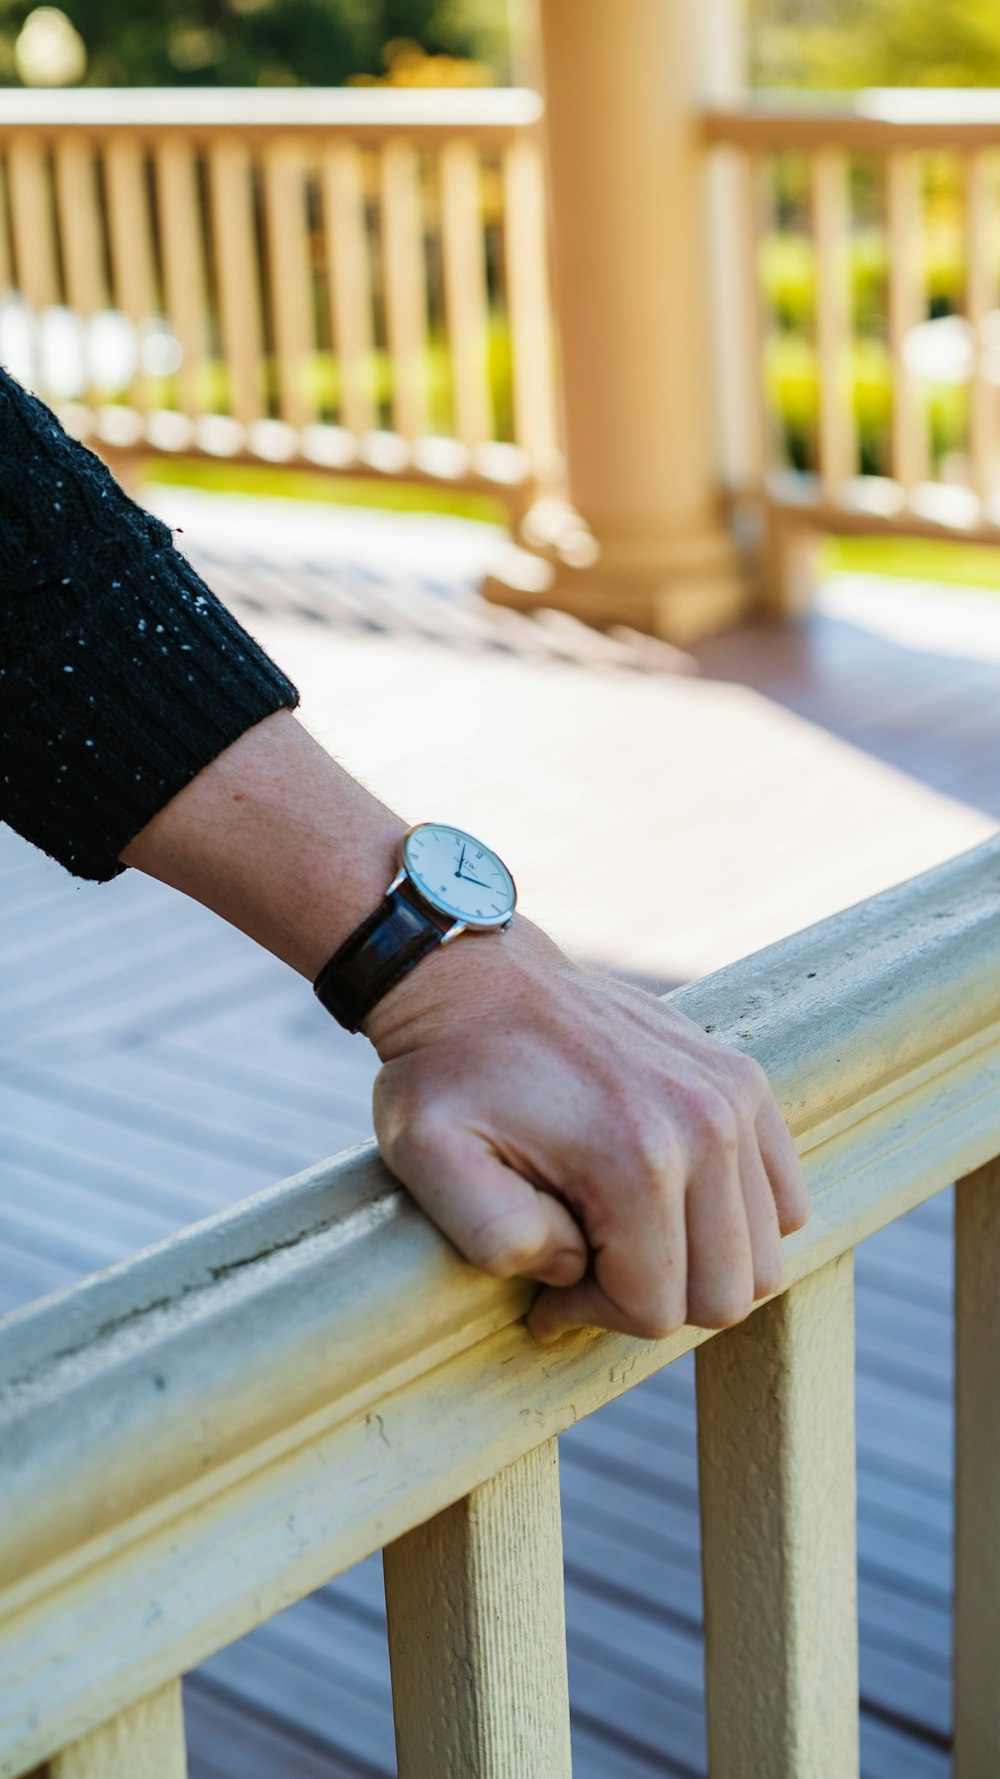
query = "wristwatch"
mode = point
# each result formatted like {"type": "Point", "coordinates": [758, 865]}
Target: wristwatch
{"type": "Point", "coordinates": [447, 884]}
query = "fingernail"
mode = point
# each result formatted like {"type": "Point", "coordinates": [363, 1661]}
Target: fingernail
{"type": "Point", "coordinates": [546, 1337]}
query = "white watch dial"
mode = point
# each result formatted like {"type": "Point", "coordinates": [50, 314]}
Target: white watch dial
{"type": "Point", "coordinates": [459, 875]}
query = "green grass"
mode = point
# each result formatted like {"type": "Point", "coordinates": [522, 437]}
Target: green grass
{"type": "Point", "coordinates": [904, 558]}
{"type": "Point", "coordinates": [914, 559]}
{"type": "Point", "coordinates": [265, 481]}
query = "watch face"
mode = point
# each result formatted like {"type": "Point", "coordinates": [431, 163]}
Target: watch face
{"type": "Point", "coordinates": [459, 875]}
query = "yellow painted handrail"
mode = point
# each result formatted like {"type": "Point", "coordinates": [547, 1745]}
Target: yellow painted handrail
{"type": "Point", "coordinates": [266, 1398]}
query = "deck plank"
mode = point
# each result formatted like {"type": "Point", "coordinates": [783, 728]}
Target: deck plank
{"type": "Point", "coordinates": [155, 1067]}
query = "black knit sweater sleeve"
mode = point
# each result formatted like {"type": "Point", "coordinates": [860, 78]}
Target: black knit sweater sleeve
{"type": "Point", "coordinates": [121, 673]}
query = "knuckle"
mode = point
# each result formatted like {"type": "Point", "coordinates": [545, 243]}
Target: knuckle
{"type": "Point", "coordinates": [722, 1312]}
{"type": "Point", "coordinates": [503, 1253]}
{"type": "Point", "coordinates": [711, 1117]}
{"type": "Point", "coordinates": [752, 1079]}
{"type": "Point", "coordinates": [656, 1324]}
{"type": "Point", "coordinates": [652, 1150]}
{"type": "Point", "coordinates": [420, 1131]}
{"type": "Point", "coordinates": [769, 1276]}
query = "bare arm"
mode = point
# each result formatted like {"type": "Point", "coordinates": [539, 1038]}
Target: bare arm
{"type": "Point", "coordinates": [553, 1123]}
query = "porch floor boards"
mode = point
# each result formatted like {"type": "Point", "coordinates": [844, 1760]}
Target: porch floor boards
{"type": "Point", "coordinates": [155, 1066]}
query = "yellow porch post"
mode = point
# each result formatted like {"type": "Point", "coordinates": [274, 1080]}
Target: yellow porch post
{"type": "Point", "coordinates": [630, 271]}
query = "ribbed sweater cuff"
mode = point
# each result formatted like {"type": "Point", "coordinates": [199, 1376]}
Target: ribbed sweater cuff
{"type": "Point", "coordinates": [104, 721]}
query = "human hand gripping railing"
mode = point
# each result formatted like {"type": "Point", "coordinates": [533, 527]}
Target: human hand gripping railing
{"type": "Point", "coordinates": [206, 1432]}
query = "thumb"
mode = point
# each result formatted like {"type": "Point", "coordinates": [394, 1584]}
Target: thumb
{"type": "Point", "coordinates": [496, 1218]}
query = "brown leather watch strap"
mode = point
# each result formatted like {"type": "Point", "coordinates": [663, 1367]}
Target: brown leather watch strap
{"type": "Point", "coordinates": [376, 955]}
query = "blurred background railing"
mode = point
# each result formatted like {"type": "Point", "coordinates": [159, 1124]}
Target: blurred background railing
{"type": "Point", "coordinates": [358, 279]}
{"type": "Point", "coordinates": [870, 308]}
{"type": "Point", "coordinates": [341, 278]}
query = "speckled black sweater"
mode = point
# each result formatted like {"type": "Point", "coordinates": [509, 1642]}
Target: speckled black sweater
{"type": "Point", "coordinates": [121, 673]}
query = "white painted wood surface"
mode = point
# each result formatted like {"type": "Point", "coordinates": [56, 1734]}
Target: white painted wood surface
{"type": "Point", "coordinates": [144, 1742]}
{"type": "Point", "coordinates": [477, 1632]}
{"type": "Point", "coordinates": [977, 1474]}
{"type": "Point", "coordinates": [324, 1331]}
{"type": "Point", "coordinates": [776, 1466]}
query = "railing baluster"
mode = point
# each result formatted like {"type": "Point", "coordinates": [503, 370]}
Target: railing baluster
{"type": "Point", "coordinates": [907, 308]}
{"type": "Point", "coordinates": [832, 228]}
{"type": "Point", "coordinates": [144, 1742]}
{"type": "Point", "coordinates": [477, 1635]}
{"type": "Point", "coordinates": [465, 291]}
{"type": "Point", "coordinates": [291, 277]}
{"type": "Point", "coordinates": [79, 224]}
{"type": "Point", "coordinates": [129, 224]}
{"type": "Point", "coordinates": [977, 1474]}
{"type": "Point", "coordinates": [777, 1484]}
{"type": "Point", "coordinates": [751, 221]}
{"type": "Point", "coordinates": [6, 269]}
{"type": "Point", "coordinates": [528, 304]}
{"type": "Point", "coordinates": [238, 275]}
{"type": "Point", "coordinates": [405, 286]}
{"type": "Point", "coordinates": [32, 220]}
{"type": "Point", "coordinates": [183, 262]}
{"type": "Point", "coordinates": [348, 257]}
{"type": "Point", "coordinates": [981, 300]}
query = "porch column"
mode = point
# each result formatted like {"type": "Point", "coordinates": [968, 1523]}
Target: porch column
{"type": "Point", "coordinates": [644, 542]}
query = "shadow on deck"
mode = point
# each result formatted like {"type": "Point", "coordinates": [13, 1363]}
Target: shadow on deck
{"type": "Point", "coordinates": [155, 1066]}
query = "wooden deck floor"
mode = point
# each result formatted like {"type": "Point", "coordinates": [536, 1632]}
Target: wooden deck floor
{"type": "Point", "coordinates": [155, 1066]}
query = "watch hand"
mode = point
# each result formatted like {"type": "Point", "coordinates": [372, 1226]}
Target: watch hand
{"type": "Point", "coordinates": [474, 880]}
{"type": "Point", "coordinates": [461, 862]}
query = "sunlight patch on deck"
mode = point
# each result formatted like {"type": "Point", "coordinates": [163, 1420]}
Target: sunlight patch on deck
{"type": "Point", "coordinates": [656, 824]}
{"type": "Point", "coordinates": [940, 620]}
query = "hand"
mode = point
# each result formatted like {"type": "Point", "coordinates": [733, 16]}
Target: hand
{"type": "Point", "coordinates": [572, 1129]}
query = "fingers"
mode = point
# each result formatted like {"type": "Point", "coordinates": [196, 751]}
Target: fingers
{"type": "Point", "coordinates": [720, 1250]}
{"type": "Point", "coordinates": [702, 1244]}
{"type": "Point", "coordinates": [497, 1220]}
{"type": "Point", "coordinates": [784, 1169]}
{"type": "Point", "coordinates": [586, 1305]}
{"type": "Point", "coordinates": [638, 1284]}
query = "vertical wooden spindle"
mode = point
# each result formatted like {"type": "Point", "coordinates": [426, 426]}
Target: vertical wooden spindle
{"type": "Point", "coordinates": [130, 228]}
{"type": "Point", "coordinates": [79, 224]}
{"type": "Point", "coordinates": [832, 229]}
{"type": "Point", "coordinates": [977, 1474]}
{"type": "Point", "coordinates": [290, 277]}
{"type": "Point", "coordinates": [237, 271]}
{"type": "Point", "coordinates": [477, 1635]}
{"type": "Point", "coordinates": [348, 258]}
{"type": "Point", "coordinates": [144, 1742]}
{"type": "Point", "coordinates": [981, 301]}
{"type": "Point", "coordinates": [405, 287]}
{"type": "Point", "coordinates": [751, 215]}
{"type": "Point", "coordinates": [907, 309]}
{"type": "Point", "coordinates": [466, 302]}
{"type": "Point", "coordinates": [33, 231]}
{"type": "Point", "coordinates": [777, 1482]}
{"type": "Point", "coordinates": [183, 261]}
{"type": "Point", "coordinates": [529, 304]}
{"type": "Point", "coordinates": [6, 268]}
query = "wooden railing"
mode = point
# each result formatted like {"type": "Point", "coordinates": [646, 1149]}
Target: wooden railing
{"type": "Point", "coordinates": [208, 1431]}
{"type": "Point", "coordinates": [875, 403]}
{"type": "Point", "coordinates": [338, 278]}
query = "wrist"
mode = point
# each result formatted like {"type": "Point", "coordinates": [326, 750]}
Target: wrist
{"type": "Point", "coordinates": [480, 975]}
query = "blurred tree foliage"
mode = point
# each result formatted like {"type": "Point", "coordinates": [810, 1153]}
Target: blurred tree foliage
{"type": "Point", "coordinates": [840, 44]}
{"type": "Point", "coordinates": [271, 42]}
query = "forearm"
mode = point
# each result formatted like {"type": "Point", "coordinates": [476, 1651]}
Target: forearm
{"type": "Point", "coordinates": [278, 839]}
